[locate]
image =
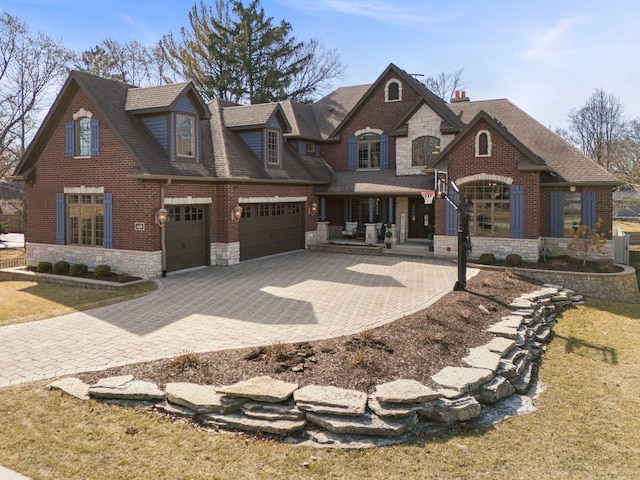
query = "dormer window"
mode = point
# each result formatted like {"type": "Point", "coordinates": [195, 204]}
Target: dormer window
{"type": "Point", "coordinates": [483, 144]}
{"type": "Point", "coordinates": [185, 136]}
{"type": "Point", "coordinates": [393, 91]}
{"type": "Point", "coordinates": [273, 147]}
{"type": "Point", "coordinates": [82, 135]}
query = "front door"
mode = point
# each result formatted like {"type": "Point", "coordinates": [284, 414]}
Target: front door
{"type": "Point", "coordinates": [420, 217]}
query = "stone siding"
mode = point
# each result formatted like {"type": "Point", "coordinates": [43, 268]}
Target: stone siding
{"type": "Point", "coordinates": [225, 254]}
{"type": "Point", "coordinates": [556, 247]}
{"type": "Point", "coordinates": [136, 263]}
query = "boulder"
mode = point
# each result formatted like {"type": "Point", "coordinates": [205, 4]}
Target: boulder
{"type": "Point", "coordinates": [462, 379]}
{"type": "Point", "coordinates": [261, 389]}
{"type": "Point", "coordinates": [71, 386]}
{"type": "Point", "coordinates": [383, 409]}
{"type": "Point", "coordinates": [125, 388]}
{"type": "Point", "coordinates": [238, 421]}
{"type": "Point", "coordinates": [495, 390]}
{"type": "Point", "coordinates": [272, 411]}
{"type": "Point", "coordinates": [202, 398]}
{"type": "Point", "coordinates": [500, 345]}
{"type": "Point", "coordinates": [330, 400]}
{"type": "Point", "coordinates": [460, 410]}
{"type": "Point", "coordinates": [405, 391]}
{"type": "Point", "coordinates": [367, 424]}
{"type": "Point", "coordinates": [481, 357]}
{"type": "Point", "coordinates": [521, 384]}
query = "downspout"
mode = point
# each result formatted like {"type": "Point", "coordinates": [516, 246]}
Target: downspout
{"type": "Point", "coordinates": [163, 236]}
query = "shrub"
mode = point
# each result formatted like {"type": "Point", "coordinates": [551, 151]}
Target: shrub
{"type": "Point", "coordinates": [4, 228]}
{"type": "Point", "coordinates": [78, 270]}
{"type": "Point", "coordinates": [586, 240]}
{"type": "Point", "coordinates": [513, 260]}
{"type": "Point", "coordinates": [185, 359]}
{"type": "Point", "coordinates": [102, 271]}
{"type": "Point", "coordinates": [61, 267]}
{"type": "Point", "coordinates": [487, 259]}
{"type": "Point", "coordinates": [44, 267]}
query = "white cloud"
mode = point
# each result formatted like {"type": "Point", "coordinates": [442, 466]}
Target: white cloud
{"type": "Point", "coordinates": [149, 36]}
{"type": "Point", "coordinates": [381, 10]}
{"type": "Point", "coordinates": [551, 44]}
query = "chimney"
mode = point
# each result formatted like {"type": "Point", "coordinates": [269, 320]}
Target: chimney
{"type": "Point", "coordinates": [460, 96]}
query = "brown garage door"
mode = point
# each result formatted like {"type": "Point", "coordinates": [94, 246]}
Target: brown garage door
{"type": "Point", "coordinates": [268, 228]}
{"type": "Point", "coordinates": [186, 237]}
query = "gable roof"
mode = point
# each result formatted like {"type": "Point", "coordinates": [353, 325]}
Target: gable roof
{"type": "Point", "coordinates": [331, 110]}
{"type": "Point", "coordinates": [303, 123]}
{"type": "Point", "coordinates": [567, 163]}
{"type": "Point", "coordinates": [253, 116]}
{"type": "Point", "coordinates": [438, 105]}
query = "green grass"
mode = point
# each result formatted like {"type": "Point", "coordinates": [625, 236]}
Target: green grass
{"type": "Point", "coordinates": [586, 428]}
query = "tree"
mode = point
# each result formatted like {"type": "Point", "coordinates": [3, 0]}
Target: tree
{"type": "Point", "coordinates": [446, 83]}
{"type": "Point", "coordinates": [130, 62]}
{"type": "Point", "coordinates": [626, 163]}
{"type": "Point", "coordinates": [30, 64]}
{"type": "Point", "coordinates": [597, 127]}
{"type": "Point", "coordinates": [238, 54]}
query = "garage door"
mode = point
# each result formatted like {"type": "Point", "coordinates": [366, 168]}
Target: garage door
{"type": "Point", "coordinates": [186, 237]}
{"type": "Point", "coordinates": [268, 228]}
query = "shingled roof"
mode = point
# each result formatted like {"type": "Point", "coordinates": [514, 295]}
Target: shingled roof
{"type": "Point", "coordinates": [382, 182]}
{"type": "Point", "coordinates": [567, 163]}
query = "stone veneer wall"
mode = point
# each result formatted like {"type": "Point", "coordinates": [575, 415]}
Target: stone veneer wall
{"type": "Point", "coordinates": [616, 287]}
{"type": "Point", "coordinates": [531, 250]}
{"type": "Point", "coordinates": [225, 254]}
{"type": "Point", "coordinates": [133, 262]}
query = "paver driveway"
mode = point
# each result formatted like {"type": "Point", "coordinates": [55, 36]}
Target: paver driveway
{"type": "Point", "coordinates": [286, 298]}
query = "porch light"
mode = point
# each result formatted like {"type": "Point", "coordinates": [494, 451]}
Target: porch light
{"type": "Point", "coordinates": [313, 209]}
{"type": "Point", "coordinates": [236, 213]}
{"type": "Point", "coordinates": [161, 216]}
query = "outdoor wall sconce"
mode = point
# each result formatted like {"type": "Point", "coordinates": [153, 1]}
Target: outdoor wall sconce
{"type": "Point", "coordinates": [161, 216]}
{"type": "Point", "coordinates": [236, 213]}
{"type": "Point", "coordinates": [313, 209]}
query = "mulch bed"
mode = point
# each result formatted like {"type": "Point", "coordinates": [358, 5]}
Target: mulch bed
{"type": "Point", "coordinates": [416, 346]}
{"type": "Point", "coordinates": [112, 277]}
{"type": "Point", "coordinates": [566, 263]}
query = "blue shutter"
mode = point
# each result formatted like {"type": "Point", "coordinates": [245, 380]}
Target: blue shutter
{"type": "Point", "coordinates": [353, 153]}
{"type": "Point", "coordinates": [107, 204]}
{"type": "Point", "coordinates": [517, 211]}
{"type": "Point", "coordinates": [556, 214]}
{"type": "Point", "coordinates": [384, 152]}
{"type": "Point", "coordinates": [60, 218]}
{"type": "Point", "coordinates": [95, 137]}
{"type": "Point", "coordinates": [451, 214]}
{"type": "Point", "coordinates": [69, 139]}
{"type": "Point", "coordinates": [589, 208]}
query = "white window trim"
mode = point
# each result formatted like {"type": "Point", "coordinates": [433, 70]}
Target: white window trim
{"type": "Point", "coordinates": [488, 177]}
{"type": "Point", "coordinates": [278, 147]}
{"type": "Point", "coordinates": [82, 113]}
{"type": "Point", "coordinates": [478, 143]}
{"type": "Point", "coordinates": [367, 130]}
{"type": "Point", "coordinates": [193, 135]}
{"type": "Point", "coordinates": [386, 90]}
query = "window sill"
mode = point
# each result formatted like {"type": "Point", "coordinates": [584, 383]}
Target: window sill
{"type": "Point", "coordinates": [82, 157]}
{"type": "Point", "coordinates": [375, 169]}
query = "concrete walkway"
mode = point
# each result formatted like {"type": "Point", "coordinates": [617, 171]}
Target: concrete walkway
{"type": "Point", "coordinates": [285, 298]}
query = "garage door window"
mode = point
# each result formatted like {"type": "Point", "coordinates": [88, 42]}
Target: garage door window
{"type": "Point", "coordinates": [185, 214]}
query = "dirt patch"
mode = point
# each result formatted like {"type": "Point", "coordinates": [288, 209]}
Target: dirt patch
{"type": "Point", "coordinates": [416, 346]}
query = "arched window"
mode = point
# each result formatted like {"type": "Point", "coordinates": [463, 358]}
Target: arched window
{"type": "Point", "coordinates": [423, 150]}
{"type": "Point", "coordinates": [83, 143]}
{"type": "Point", "coordinates": [483, 144]}
{"type": "Point", "coordinates": [369, 150]}
{"type": "Point", "coordinates": [491, 215]}
{"type": "Point", "coordinates": [393, 91]}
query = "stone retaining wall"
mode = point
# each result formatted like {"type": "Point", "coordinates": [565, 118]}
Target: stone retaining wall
{"type": "Point", "coordinates": [617, 287]}
{"type": "Point", "coordinates": [343, 248]}
{"type": "Point", "coordinates": [498, 375]}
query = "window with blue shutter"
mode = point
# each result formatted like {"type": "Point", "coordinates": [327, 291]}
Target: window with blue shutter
{"type": "Point", "coordinates": [60, 215]}
{"type": "Point", "coordinates": [353, 152]}
{"type": "Point", "coordinates": [517, 211]}
{"type": "Point", "coordinates": [589, 209]}
{"type": "Point", "coordinates": [451, 214]}
{"type": "Point", "coordinates": [556, 214]}
{"type": "Point", "coordinates": [384, 151]}
{"type": "Point", "coordinates": [95, 137]}
{"type": "Point", "coordinates": [69, 147]}
{"type": "Point", "coordinates": [107, 201]}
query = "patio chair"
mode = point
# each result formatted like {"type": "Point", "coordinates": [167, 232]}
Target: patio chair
{"type": "Point", "coordinates": [350, 229]}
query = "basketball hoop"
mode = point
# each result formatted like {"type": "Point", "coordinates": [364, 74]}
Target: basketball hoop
{"type": "Point", "coordinates": [428, 197]}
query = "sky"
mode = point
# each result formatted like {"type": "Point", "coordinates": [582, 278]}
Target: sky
{"type": "Point", "coordinates": [545, 56]}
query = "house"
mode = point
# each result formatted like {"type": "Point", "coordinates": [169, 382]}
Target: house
{"type": "Point", "coordinates": [239, 182]}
